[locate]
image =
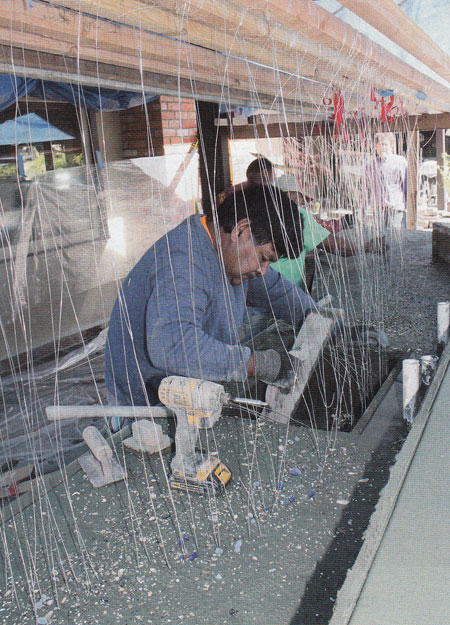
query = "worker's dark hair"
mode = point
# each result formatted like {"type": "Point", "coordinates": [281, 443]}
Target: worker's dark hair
{"type": "Point", "coordinates": [260, 171]}
{"type": "Point", "coordinates": [273, 218]}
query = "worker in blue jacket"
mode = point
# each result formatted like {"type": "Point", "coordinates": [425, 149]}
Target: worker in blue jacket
{"type": "Point", "coordinates": [180, 310]}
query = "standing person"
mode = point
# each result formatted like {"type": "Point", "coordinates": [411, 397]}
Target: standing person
{"type": "Point", "coordinates": [387, 177]}
{"type": "Point", "coordinates": [181, 308]}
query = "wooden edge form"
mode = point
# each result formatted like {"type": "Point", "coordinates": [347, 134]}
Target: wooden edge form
{"type": "Point", "coordinates": [348, 595]}
{"type": "Point", "coordinates": [16, 475]}
{"type": "Point", "coordinates": [376, 401]}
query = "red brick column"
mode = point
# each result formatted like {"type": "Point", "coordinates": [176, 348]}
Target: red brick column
{"type": "Point", "coordinates": [168, 121]}
{"type": "Point", "coordinates": [178, 120]}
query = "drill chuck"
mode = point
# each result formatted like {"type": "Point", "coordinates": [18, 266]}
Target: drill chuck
{"type": "Point", "coordinates": [201, 400]}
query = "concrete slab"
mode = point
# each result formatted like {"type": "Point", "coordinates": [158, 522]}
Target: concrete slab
{"type": "Point", "coordinates": [402, 572]}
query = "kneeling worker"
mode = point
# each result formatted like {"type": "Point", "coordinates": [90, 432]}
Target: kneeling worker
{"type": "Point", "coordinates": [181, 308]}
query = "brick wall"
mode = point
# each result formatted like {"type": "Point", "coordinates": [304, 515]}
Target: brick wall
{"type": "Point", "coordinates": [169, 121]}
{"type": "Point", "coordinates": [141, 131]}
{"type": "Point", "coordinates": [179, 123]}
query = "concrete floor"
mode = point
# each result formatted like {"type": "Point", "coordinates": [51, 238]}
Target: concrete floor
{"type": "Point", "coordinates": [402, 574]}
{"type": "Point", "coordinates": [119, 554]}
{"type": "Point", "coordinates": [285, 533]}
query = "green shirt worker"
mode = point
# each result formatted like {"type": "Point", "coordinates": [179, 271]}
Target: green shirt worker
{"type": "Point", "coordinates": [314, 236]}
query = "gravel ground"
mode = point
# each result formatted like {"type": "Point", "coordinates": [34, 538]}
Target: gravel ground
{"type": "Point", "coordinates": [399, 294]}
{"type": "Point", "coordinates": [274, 550]}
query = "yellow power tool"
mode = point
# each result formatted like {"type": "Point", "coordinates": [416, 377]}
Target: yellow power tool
{"type": "Point", "coordinates": [197, 404]}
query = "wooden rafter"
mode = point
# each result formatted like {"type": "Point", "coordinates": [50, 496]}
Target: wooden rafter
{"type": "Point", "coordinates": [323, 27]}
{"type": "Point", "coordinates": [230, 28]}
{"type": "Point", "coordinates": [72, 35]}
{"type": "Point", "coordinates": [57, 32]}
{"type": "Point", "coordinates": [83, 36]}
{"type": "Point", "coordinates": [279, 52]}
{"type": "Point", "coordinates": [35, 64]}
{"type": "Point", "coordinates": [254, 31]}
{"type": "Point", "coordinates": [391, 20]}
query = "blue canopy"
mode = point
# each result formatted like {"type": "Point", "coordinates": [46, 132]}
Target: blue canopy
{"type": "Point", "coordinates": [92, 98]}
{"type": "Point", "coordinates": [30, 129]}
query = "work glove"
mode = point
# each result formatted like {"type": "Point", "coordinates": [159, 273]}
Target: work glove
{"type": "Point", "coordinates": [369, 335]}
{"type": "Point", "coordinates": [273, 368]}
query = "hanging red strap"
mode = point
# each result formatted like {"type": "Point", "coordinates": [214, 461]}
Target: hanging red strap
{"type": "Point", "coordinates": [383, 110]}
{"type": "Point", "coordinates": [389, 105]}
{"type": "Point", "coordinates": [386, 108]}
{"type": "Point", "coordinates": [338, 114]}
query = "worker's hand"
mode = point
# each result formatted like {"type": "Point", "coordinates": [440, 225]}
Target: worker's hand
{"type": "Point", "coordinates": [273, 368]}
{"type": "Point", "coordinates": [376, 245]}
{"type": "Point", "coordinates": [267, 365]}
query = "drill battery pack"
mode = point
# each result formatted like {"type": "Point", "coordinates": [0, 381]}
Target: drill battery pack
{"type": "Point", "coordinates": [212, 476]}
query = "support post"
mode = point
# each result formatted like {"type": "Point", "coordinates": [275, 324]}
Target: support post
{"type": "Point", "coordinates": [85, 131]}
{"type": "Point", "coordinates": [214, 154]}
{"type": "Point", "coordinates": [48, 156]}
{"type": "Point", "coordinates": [440, 149]}
{"type": "Point", "coordinates": [413, 152]}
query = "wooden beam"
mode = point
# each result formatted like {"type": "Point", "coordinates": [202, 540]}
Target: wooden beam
{"type": "Point", "coordinates": [431, 122]}
{"type": "Point", "coordinates": [281, 30]}
{"type": "Point", "coordinates": [323, 27]}
{"type": "Point", "coordinates": [69, 32]}
{"type": "Point", "coordinates": [294, 129]}
{"type": "Point", "coordinates": [44, 28]}
{"type": "Point", "coordinates": [241, 36]}
{"type": "Point", "coordinates": [233, 29]}
{"type": "Point", "coordinates": [391, 20]}
{"type": "Point", "coordinates": [46, 66]}
{"type": "Point", "coordinates": [274, 130]}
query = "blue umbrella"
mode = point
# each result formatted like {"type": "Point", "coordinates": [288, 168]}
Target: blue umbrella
{"type": "Point", "coordinates": [30, 129]}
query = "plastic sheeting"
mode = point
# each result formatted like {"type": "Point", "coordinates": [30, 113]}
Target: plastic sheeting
{"type": "Point", "coordinates": [67, 240]}
{"type": "Point", "coordinates": [26, 435]}
{"type": "Point", "coordinates": [92, 98]}
{"type": "Point", "coordinates": [69, 237]}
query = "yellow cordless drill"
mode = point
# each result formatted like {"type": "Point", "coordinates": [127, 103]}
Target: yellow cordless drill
{"type": "Point", "coordinates": [197, 404]}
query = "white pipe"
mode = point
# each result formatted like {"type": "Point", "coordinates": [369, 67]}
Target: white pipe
{"type": "Point", "coordinates": [57, 413]}
{"type": "Point", "coordinates": [443, 320]}
{"type": "Point", "coordinates": [411, 384]}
